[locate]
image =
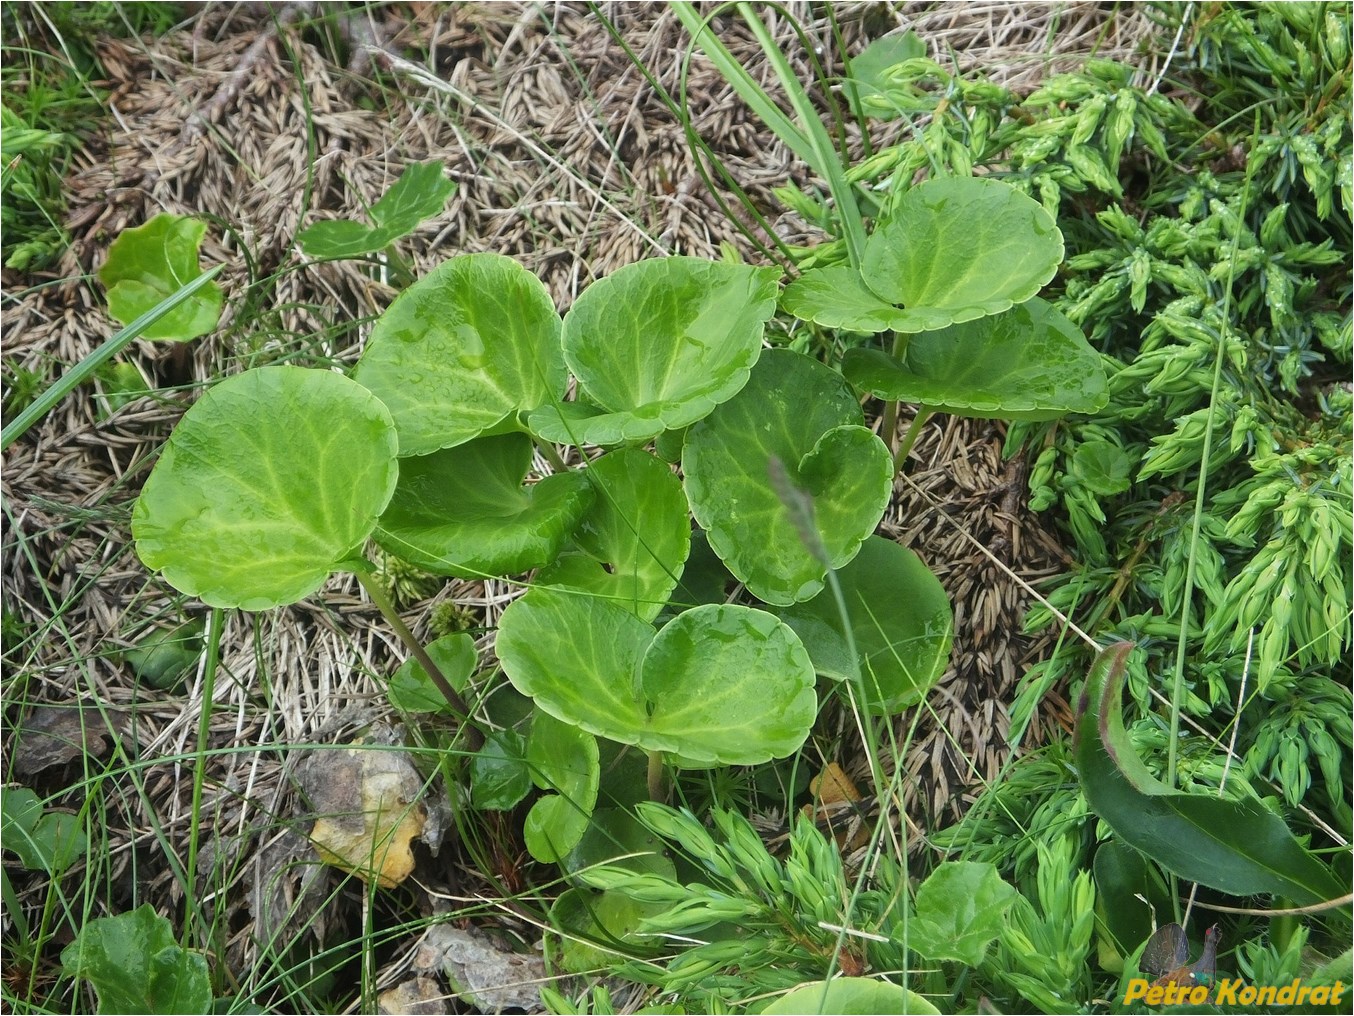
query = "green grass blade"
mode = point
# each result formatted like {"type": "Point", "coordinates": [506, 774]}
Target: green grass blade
{"type": "Point", "coordinates": [812, 144]}
{"type": "Point", "coordinates": [744, 85]}
{"type": "Point", "coordinates": [825, 161]}
{"type": "Point", "coordinates": [82, 371]}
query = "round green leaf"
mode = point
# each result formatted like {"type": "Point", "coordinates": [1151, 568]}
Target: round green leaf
{"type": "Point", "coordinates": [164, 659]}
{"type": "Point", "coordinates": [148, 264]}
{"type": "Point", "coordinates": [1029, 363]}
{"type": "Point", "coordinates": [136, 965]}
{"type": "Point", "coordinates": [412, 690]}
{"type": "Point", "coordinates": [583, 917]}
{"type": "Point", "coordinates": [900, 619]}
{"type": "Point", "coordinates": [836, 297]}
{"type": "Point", "coordinates": [272, 480]}
{"type": "Point", "coordinates": [50, 841]}
{"type": "Point", "coordinates": [851, 996]}
{"type": "Point", "coordinates": [634, 538]}
{"type": "Point", "coordinates": [962, 246]}
{"type": "Point", "coordinates": [869, 88]}
{"type": "Point", "coordinates": [805, 415]}
{"type": "Point", "coordinates": [464, 511]}
{"type": "Point", "coordinates": [563, 758]}
{"type": "Point", "coordinates": [657, 345]}
{"type": "Point", "coordinates": [1103, 467]}
{"type": "Point", "coordinates": [616, 838]}
{"type": "Point", "coordinates": [463, 350]}
{"type": "Point", "coordinates": [719, 683]}
{"type": "Point", "coordinates": [499, 775]}
{"type": "Point", "coordinates": [961, 909]}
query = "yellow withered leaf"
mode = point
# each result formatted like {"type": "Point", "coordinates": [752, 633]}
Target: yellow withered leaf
{"type": "Point", "coordinates": [369, 814]}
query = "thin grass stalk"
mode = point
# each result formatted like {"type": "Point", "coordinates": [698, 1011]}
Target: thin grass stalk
{"type": "Point", "coordinates": [748, 89]}
{"type": "Point", "coordinates": [679, 109]}
{"type": "Point", "coordinates": [827, 162]}
{"type": "Point", "coordinates": [454, 699]}
{"type": "Point", "coordinates": [215, 626]}
{"type": "Point", "coordinates": [85, 369]}
{"type": "Point", "coordinates": [1196, 522]}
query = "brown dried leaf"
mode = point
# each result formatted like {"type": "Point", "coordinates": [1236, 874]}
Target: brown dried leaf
{"type": "Point", "coordinates": [56, 735]}
{"type": "Point", "coordinates": [368, 811]}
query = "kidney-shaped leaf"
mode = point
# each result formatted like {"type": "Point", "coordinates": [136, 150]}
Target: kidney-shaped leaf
{"type": "Point", "coordinates": [463, 350]}
{"type": "Point", "coordinates": [900, 620]}
{"type": "Point", "coordinates": [420, 192]}
{"type": "Point", "coordinates": [51, 841]}
{"type": "Point", "coordinates": [564, 759]}
{"type": "Point", "coordinates": [1028, 363]}
{"type": "Point", "coordinates": [1236, 847]}
{"type": "Point", "coordinates": [632, 542]}
{"type": "Point", "coordinates": [136, 966]}
{"type": "Point", "coordinates": [836, 297]}
{"type": "Point", "coordinates": [720, 683]}
{"type": "Point", "coordinates": [961, 908]}
{"type": "Point", "coordinates": [411, 690]}
{"type": "Point", "coordinates": [272, 480]}
{"type": "Point", "coordinates": [806, 416]}
{"type": "Point", "coordinates": [148, 264]}
{"type": "Point", "coordinates": [464, 511]}
{"type": "Point", "coordinates": [656, 345]}
{"type": "Point", "coordinates": [968, 247]}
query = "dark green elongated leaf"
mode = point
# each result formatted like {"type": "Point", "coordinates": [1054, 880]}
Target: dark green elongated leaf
{"type": "Point", "coordinates": [969, 247]}
{"type": "Point", "coordinates": [900, 619]}
{"type": "Point", "coordinates": [851, 996]}
{"type": "Point", "coordinates": [961, 908]}
{"type": "Point", "coordinates": [631, 544]}
{"type": "Point", "coordinates": [413, 691]}
{"type": "Point", "coordinates": [464, 511]}
{"type": "Point", "coordinates": [136, 966]}
{"type": "Point", "coordinates": [46, 841]}
{"type": "Point", "coordinates": [1027, 363]}
{"type": "Point", "coordinates": [148, 264]}
{"type": "Point", "coordinates": [563, 758]}
{"type": "Point", "coordinates": [1129, 892]}
{"type": "Point", "coordinates": [463, 351]}
{"type": "Point", "coordinates": [802, 413]}
{"type": "Point", "coordinates": [1236, 847]}
{"type": "Point", "coordinates": [719, 683]}
{"type": "Point", "coordinates": [271, 481]}
{"type": "Point", "coordinates": [656, 345]}
{"type": "Point", "coordinates": [420, 193]}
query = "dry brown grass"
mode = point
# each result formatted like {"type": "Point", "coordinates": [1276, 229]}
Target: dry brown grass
{"type": "Point", "coordinates": [567, 161]}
